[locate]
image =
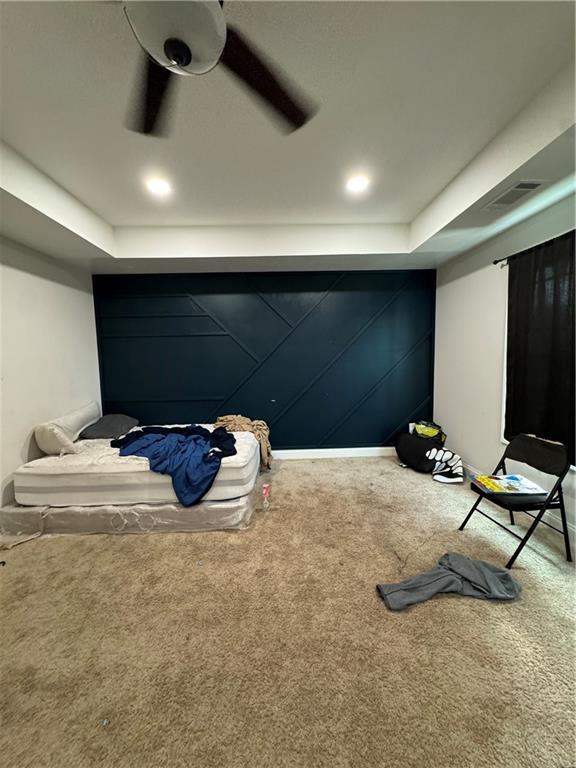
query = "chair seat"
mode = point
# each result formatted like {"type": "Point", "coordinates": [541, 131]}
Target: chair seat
{"type": "Point", "coordinates": [513, 501]}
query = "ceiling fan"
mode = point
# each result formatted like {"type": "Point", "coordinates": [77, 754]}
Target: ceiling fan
{"type": "Point", "coordinates": [191, 38]}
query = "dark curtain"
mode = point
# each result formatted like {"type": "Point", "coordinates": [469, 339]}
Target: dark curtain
{"type": "Point", "coordinates": [540, 355]}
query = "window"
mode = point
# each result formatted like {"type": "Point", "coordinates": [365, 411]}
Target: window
{"type": "Point", "coordinates": [540, 396]}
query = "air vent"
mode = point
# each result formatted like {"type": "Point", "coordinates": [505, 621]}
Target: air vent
{"type": "Point", "coordinates": [513, 195]}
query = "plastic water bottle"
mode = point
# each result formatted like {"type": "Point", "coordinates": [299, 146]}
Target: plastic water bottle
{"type": "Point", "coordinates": [265, 496]}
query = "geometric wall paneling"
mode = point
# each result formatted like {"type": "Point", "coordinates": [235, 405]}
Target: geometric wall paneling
{"type": "Point", "coordinates": [328, 359]}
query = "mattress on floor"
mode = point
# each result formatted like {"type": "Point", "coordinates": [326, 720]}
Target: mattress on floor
{"type": "Point", "coordinates": [97, 475]}
{"type": "Point", "coordinates": [234, 514]}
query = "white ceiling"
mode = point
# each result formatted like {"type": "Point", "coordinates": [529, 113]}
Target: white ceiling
{"type": "Point", "coordinates": [410, 92]}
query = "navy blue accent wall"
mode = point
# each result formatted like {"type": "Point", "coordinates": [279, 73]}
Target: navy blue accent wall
{"type": "Point", "coordinates": [328, 359]}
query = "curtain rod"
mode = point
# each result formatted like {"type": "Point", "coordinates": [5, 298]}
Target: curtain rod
{"type": "Point", "coordinates": [506, 259]}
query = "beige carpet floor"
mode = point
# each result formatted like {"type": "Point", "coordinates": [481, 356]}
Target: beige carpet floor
{"type": "Point", "coordinates": [270, 648]}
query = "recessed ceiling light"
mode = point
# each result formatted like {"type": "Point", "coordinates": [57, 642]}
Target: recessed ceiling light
{"type": "Point", "coordinates": [358, 183]}
{"type": "Point", "coordinates": [158, 187]}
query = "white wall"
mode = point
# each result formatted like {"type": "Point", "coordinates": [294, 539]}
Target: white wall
{"type": "Point", "coordinates": [470, 337]}
{"type": "Point", "coordinates": [48, 354]}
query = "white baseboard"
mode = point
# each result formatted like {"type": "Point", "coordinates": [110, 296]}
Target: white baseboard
{"type": "Point", "coordinates": [334, 453]}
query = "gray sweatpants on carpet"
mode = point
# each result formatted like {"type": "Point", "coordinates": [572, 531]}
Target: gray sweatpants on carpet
{"type": "Point", "coordinates": [454, 573]}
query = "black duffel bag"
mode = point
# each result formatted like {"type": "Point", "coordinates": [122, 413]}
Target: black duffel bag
{"type": "Point", "coordinates": [412, 447]}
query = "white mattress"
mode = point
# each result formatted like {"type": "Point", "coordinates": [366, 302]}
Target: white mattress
{"type": "Point", "coordinates": [97, 475]}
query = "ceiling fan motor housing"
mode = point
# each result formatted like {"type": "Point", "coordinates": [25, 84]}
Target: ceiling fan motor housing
{"type": "Point", "coordinates": [191, 38]}
{"type": "Point", "coordinates": [185, 37]}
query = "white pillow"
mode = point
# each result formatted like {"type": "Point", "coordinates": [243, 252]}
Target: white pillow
{"type": "Point", "coordinates": [57, 436]}
{"type": "Point", "coordinates": [53, 440]}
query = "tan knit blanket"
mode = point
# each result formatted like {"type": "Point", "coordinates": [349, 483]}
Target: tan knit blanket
{"type": "Point", "coordinates": [259, 429]}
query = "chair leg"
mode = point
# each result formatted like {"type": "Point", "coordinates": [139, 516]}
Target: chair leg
{"type": "Point", "coordinates": [565, 529]}
{"type": "Point", "coordinates": [524, 541]}
{"type": "Point", "coordinates": [511, 517]}
{"type": "Point", "coordinates": [469, 515]}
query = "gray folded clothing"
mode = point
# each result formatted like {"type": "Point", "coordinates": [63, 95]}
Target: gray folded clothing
{"type": "Point", "coordinates": [454, 573]}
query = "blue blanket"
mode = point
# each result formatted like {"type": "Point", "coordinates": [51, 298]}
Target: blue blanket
{"type": "Point", "coordinates": [190, 455]}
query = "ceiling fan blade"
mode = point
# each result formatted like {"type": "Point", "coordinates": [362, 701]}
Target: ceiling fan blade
{"type": "Point", "coordinates": [155, 87]}
{"type": "Point", "coordinates": [248, 66]}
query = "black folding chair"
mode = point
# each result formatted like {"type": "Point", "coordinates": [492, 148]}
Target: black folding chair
{"type": "Point", "coordinates": [547, 457]}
